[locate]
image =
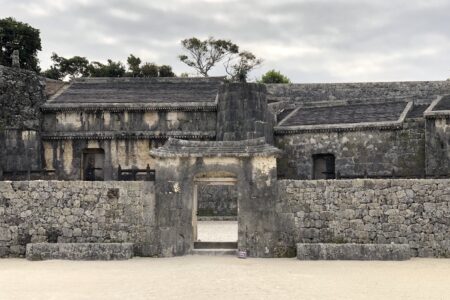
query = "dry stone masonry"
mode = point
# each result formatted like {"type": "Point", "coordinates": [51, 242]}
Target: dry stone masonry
{"type": "Point", "coordinates": [77, 212]}
{"type": "Point", "coordinates": [410, 211]}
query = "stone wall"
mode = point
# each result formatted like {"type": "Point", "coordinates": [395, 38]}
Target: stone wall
{"type": "Point", "coordinates": [77, 212]}
{"type": "Point", "coordinates": [419, 91]}
{"type": "Point", "coordinates": [126, 137]}
{"type": "Point", "coordinates": [400, 211]}
{"type": "Point", "coordinates": [438, 145]}
{"type": "Point", "coordinates": [242, 113]}
{"type": "Point", "coordinates": [217, 200]}
{"type": "Point", "coordinates": [21, 96]}
{"type": "Point", "coordinates": [66, 156]}
{"type": "Point", "coordinates": [128, 122]}
{"type": "Point", "coordinates": [372, 152]}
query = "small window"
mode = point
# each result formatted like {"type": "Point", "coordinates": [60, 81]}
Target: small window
{"type": "Point", "coordinates": [93, 164]}
{"type": "Point", "coordinates": [324, 166]}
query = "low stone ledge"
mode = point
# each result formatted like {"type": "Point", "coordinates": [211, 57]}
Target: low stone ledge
{"type": "Point", "coordinates": [79, 251]}
{"type": "Point", "coordinates": [321, 251]}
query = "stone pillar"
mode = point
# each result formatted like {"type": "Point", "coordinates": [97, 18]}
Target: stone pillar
{"type": "Point", "coordinates": [243, 113]}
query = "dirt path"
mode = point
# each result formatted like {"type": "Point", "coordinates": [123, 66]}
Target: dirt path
{"type": "Point", "coordinates": [195, 277]}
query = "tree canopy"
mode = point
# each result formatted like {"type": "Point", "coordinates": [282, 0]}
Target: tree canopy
{"type": "Point", "coordinates": [20, 36]}
{"type": "Point", "coordinates": [134, 65]}
{"type": "Point", "coordinates": [273, 76]}
{"type": "Point", "coordinates": [110, 69]}
{"type": "Point", "coordinates": [73, 67]}
{"type": "Point", "coordinates": [77, 66]}
{"type": "Point", "coordinates": [150, 70]}
{"type": "Point", "coordinates": [203, 55]}
{"type": "Point", "coordinates": [239, 66]}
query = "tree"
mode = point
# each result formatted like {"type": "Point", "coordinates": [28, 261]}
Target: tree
{"type": "Point", "coordinates": [203, 55]}
{"type": "Point", "coordinates": [273, 76]}
{"type": "Point", "coordinates": [166, 71]}
{"type": "Point", "coordinates": [73, 67]}
{"type": "Point", "coordinates": [238, 66]}
{"type": "Point", "coordinates": [52, 73]}
{"type": "Point", "coordinates": [111, 69]}
{"type": "Point", "coordinates": [20, 36]}
{"type": "Point", "coordinates": [134, 65]}
{"type": "Point", "coordinates": [150, 70]}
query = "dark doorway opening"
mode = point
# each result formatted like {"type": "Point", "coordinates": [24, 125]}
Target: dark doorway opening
{"type": "Point", "coordinates": [93, 164]}
{"type": "Point", "coordinates": [324, 166]}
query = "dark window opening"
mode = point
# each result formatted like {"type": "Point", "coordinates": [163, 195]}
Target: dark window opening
{"type": "Point", "coordinates": [324, 166]}
{"type": "Point", "coordinates": [93, 164]}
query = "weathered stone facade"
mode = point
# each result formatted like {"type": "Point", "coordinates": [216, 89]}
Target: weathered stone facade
{"type": "Point", "coordinates": [21, 96]}
{"type": "Point", "coordinates": [367, 211]}
{"type": "Point", "coordinates": [251, 165]}
{"type": "Point", "coordinates": [243, 113]}
{"type": "Point", "coordinates": [438, 137]}
{"type": "Point", "coordinates": [77, 212]}
{"type": "Point", "coordinates": [372, 152]}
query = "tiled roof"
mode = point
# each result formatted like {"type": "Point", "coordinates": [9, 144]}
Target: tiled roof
{"type": "Point", "coordinates": [417, 111]}
{"type": "Point", "coordinates": [444, 104]}
{"type": "Point", "coordinates": [345, 114]}
{"type": "Point", "coordinates": [139, 90]}
{"type": "Point", "coordinates": [246, 148]}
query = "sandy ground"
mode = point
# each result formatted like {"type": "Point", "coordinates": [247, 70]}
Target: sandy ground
{"type": "Point", "coordinates": [200, 277]}
{"type": "Point", "coordinates": [217, 231]}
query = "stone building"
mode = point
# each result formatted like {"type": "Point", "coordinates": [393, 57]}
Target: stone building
{"type": "Point", "coordinates": [360, 130]}
{"type": "Point", "coordinates": [185, 133]}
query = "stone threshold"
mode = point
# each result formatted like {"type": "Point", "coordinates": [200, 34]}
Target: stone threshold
{"type": "Point", "coordinates": [216, 218]}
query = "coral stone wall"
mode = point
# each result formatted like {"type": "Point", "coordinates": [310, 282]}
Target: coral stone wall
{"type": "Point", "coordinates": [21, 96]}
{"type": "Point", "coordinates": [419, 91]}
{"type": "Point", "coordinates": [76, 212]}
{"type": "Point", "coordinates": [372, 152]}
{"type": "Point", "coordinates": [401, 211]}
{"type": "Point", "coordinates": [217, 200]}
{"type": "Point", "coordinates": [438, 146]}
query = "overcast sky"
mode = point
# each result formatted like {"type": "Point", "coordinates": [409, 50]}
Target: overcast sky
{"type": "Point", "coordinates": [308, 40]}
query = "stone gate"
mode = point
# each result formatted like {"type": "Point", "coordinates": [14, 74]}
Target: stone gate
{"type": "Point", "coordinates": [250, 163]}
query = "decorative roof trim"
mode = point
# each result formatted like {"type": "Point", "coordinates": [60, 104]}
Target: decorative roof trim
{"type": "Point", "coordinates": [385, 125]}
{"type": "Point", "coordinates": [136, 135]}
{"type": "Point", "coordinates": [119, 107]}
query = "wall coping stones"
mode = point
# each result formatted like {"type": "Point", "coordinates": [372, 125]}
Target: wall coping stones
{"type": "Point", "coordinates": [326, 251]}
{"type": "Point", "coordinates": [246, 148]}
{"type": "Point", "coordinates": [79, 251]}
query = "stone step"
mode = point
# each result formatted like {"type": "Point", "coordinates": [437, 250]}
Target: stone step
{"type": "Point", "coordinates": [214, 252]}
{"type": "Point", "coordinates": [215, 245]}
{"type": "Point", "coordinates": [79, 251]}
{"type": "Point", "coordinates": [350, 251]}
{"type": "Point", "coordinates": [216, 218]}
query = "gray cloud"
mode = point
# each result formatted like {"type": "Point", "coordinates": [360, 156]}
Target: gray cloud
{"type": "Point", "coordinates": [309, 40]}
